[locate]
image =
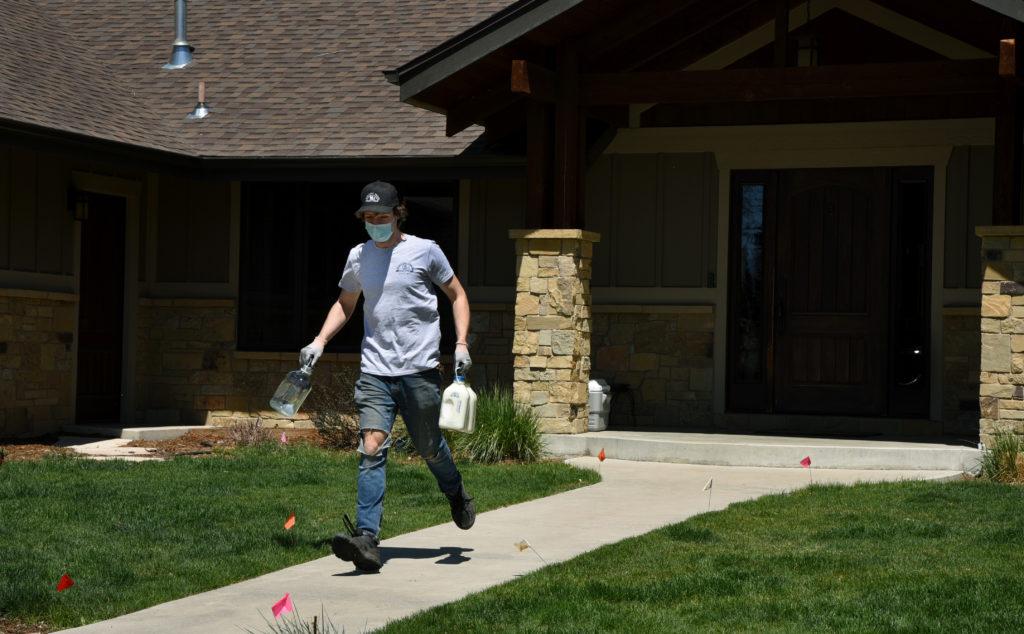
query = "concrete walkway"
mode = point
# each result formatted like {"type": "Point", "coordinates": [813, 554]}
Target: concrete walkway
{"type": "Point", "coordinates": [442, 564]}
{"type": "Point", "coordinates": [107, 449]}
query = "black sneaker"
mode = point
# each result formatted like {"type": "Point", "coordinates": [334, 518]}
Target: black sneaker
{"type": "Point", "coordinates": [463, 509]}
{"type": "Point", "coordinates": [359, 547]}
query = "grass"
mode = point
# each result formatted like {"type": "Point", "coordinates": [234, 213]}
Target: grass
{"type": "Point", "coordinates": [137, 534]}
{"type": "Point", "coordinates": [898, 557]}
{"type": "Point", "coordinates": [505, 430]}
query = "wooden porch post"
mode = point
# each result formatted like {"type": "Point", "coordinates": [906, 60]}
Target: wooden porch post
{"type": "Point", "coordinates": [538, 165]}
{"type": "Point", "coordinates": [568, 167]}
{"type": "Point", "coordinates": [1009, 136]}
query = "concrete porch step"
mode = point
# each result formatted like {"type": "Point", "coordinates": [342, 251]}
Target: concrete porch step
{"type": "Point", "coordinates": [738, 450]}
{"type": "Point", "coordinates": [130, 433]}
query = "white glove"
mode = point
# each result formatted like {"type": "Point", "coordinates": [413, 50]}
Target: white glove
{"type": "Point", "coordinates": [462, 361]}
{"type": "Point", "coordinates": [311, 353]}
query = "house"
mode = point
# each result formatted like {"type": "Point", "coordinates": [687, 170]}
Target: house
{"type": "Point", "coordinates": [746, 214]}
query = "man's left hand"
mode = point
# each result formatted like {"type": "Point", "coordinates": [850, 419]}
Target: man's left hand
{"type": "Point", "coordinates": [462, 361]}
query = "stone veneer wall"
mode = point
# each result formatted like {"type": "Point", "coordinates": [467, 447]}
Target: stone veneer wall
{"type": "Point", "coordinates": [665, 354]}
{"type": "Point", "coordinates": [190, 373]}
{"type": "Point", "coordinates": [961, 351]}
{"type": "Point", "coordinates": [1001, 392]}
{"type": "Point", "coordinates": [36, 361]}
{"type": "Point", "coordinates": [552, 325]}
{"type": "Point", "coordinates": [491, 332]}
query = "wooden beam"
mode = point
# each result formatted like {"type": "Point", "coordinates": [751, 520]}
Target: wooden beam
{"type": "Point", "coordinates": [781, 32]}
{"type": "Point", "coordinates": [773, 84]}
{"type": "Point", "coordinates": [476, 110]}
{"type": "Point", "coordinates": [538, 165]}
{"type": "Point", "coordinates": [1009, 136]}
{"type": "Point", "coordinates": [568, 166]}
{"type": "Point", "coordinates": [533, 81]}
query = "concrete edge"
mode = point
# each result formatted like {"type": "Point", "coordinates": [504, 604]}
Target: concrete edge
{"type": "Point", "coordinates": [958, 459]}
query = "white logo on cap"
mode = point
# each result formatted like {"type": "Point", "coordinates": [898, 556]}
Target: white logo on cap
{"type": "Point", "coordinates": [372, 197]}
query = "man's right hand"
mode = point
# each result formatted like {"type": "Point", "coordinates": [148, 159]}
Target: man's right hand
{"type": "Point", "coordinates": [311, 353]}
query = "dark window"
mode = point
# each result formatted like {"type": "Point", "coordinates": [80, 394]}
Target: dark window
{"type": "Point", "coordinates": [295, 239]}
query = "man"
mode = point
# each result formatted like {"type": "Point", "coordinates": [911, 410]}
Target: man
{"type": "Point", "coordinates": [400, 357]}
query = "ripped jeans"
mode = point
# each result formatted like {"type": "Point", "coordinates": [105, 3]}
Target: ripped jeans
{"type": "Point", "coordinates": [418, 398]}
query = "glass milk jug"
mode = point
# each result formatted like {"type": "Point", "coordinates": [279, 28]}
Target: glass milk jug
{"type": "Point", "coordinates": [458, 407]}
{"type": "Point", "coordinates": [293, 391]}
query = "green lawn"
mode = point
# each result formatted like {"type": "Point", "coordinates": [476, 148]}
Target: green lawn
{"type": "Point", "coordinates": [907, 557]}
{"type": "Point", "coordinates": [136, 534]}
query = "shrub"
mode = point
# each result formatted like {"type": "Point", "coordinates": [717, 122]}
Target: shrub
{"type": "Point", "coordinates": [332, 408]}
{"type": "Point", "coordinates": [1004, 460]}
{"type": "Point", "coordinates": [505, 430]}
{"type": "Point", "coordinates": [249, 433]}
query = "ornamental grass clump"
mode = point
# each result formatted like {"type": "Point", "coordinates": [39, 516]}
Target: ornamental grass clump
{"type": "Point", "coordinates": [1004, 460]}
{"type": "Point", "coordinates": [505, 430]}
{"type": "Point", "coordinates": [249, 433]}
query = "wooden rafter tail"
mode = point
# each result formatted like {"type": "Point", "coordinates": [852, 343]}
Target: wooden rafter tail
{"type": "Point", "coordinates": [533, 80]}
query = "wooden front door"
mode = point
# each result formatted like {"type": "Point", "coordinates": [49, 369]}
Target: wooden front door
{"type": "Point", "coordinates": [100, 312]}
{"type": "Point", "coordinates": [811, 313]}
{"type": "Point", "coordinates": [831, 290]}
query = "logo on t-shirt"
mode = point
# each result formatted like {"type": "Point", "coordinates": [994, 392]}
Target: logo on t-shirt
{"type": "Point", "coordinates": [404, 267]}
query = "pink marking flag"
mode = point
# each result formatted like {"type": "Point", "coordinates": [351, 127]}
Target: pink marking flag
{"type": "Point", "coordinates": [65, 583]}
{"type": "Point", "coordinates": [284, 605]}
{"type": "Point", "coordinates": [289, 522]}
{"type": "Point", "coordinates": [806, 462]}
{"type": "Point", "coordinates": [284, 438]}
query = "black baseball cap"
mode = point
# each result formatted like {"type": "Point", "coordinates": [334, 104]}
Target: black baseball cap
{"type": "Point", "coordinates": [379, 197]}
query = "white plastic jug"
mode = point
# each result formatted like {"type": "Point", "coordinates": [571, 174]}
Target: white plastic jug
{"type": "Point", "coordinates": [458, 407]}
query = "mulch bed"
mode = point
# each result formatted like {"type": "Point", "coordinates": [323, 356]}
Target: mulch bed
{"type": "Point", "coordinates": [204, 441]}
{"type": "Point", "coordinates": [11, 626]}
{"type": "Point", "coordinates": [30, 449]}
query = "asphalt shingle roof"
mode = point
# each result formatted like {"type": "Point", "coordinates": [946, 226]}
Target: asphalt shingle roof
{"type": "Point", "coordinates": [296, 78]}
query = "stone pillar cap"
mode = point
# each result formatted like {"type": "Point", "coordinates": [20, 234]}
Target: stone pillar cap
{"type": "Point", "coordinates": [999, 230]}
{"type": "Point", "coordinates": [556, 234]}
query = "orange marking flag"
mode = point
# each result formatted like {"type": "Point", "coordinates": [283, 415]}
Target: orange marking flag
{"type": "Point", "coordinates": [600, 456]}
{"type": "Point", "coordinates": [284, 605]}
{"type": "Point", "coordinates": [288, 523]}
{"type": "Point", "coordinates": [806, 462]}
{"type": "Point", "coordinates": [65, 583]}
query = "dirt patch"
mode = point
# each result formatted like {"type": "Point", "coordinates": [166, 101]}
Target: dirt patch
{"type": "Point", "coordinates": [15, 449]}
{"type": "Point", "coordinates": [198, 442]}
{"type": "Point", "coordinates": [13, 626]}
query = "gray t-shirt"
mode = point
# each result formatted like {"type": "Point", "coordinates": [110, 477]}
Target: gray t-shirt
{"type": "Point", "coordinates": [401, 327]}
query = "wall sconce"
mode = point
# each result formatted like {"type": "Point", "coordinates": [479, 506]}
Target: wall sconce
{"type": "Point", "coordinates": [79, 204]}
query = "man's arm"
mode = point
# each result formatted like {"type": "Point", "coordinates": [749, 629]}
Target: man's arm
{"type": "Point", "coordinates": [460, 309]}
{"type": "Point", "coordinates": [336, 318]}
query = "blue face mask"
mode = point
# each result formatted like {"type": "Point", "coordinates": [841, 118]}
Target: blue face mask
{"type": "Point", "coordinates": [379, 233]}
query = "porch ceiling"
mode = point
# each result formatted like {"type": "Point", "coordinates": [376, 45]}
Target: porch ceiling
{"type": "Point", "coordinates": [611, 37]}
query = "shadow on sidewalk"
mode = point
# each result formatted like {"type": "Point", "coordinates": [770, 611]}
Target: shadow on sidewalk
{"type": "Point", "coordinates": [451, 555]}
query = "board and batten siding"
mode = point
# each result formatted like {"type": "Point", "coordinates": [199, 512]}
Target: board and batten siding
{"type": "Point", "coordinates": [36, 228]}
{"type": "Point", "coordinates": [968, 205]}
{"type": "Point", "coordinates": [496, 205]}
{"type": "Point", "coordinates": [193, 231]}
{"type": "Point", "coordinates": [656, 213]}
{"type": "Point", "coordinates": [657, 216]}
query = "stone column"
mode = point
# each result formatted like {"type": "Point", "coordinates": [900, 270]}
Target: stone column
{"type": "Point", "coordinates": [551, 344]}
{"type": "Point", "coordinates": [1001, 389]}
